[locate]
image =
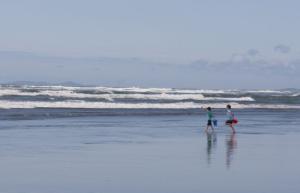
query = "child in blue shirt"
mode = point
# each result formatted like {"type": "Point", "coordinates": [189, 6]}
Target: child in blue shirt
{"type": "Point", "coordinates": [210, 119]}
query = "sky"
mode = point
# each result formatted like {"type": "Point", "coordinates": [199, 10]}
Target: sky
{"type": "Point", "coordinates": [157, 43]}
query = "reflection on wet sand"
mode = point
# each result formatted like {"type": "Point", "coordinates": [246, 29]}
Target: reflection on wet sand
{"type": "Point", "coordinates": [231, 145]}
{"type": "Point", "coordinates": [211, 144]}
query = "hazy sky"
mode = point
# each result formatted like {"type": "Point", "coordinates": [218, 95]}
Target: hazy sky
{"type": "Point", "coordinates": [184, 38]}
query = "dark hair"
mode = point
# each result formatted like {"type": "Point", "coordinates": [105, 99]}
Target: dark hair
{"type": "Point", "coordinates": [208, 108]}
{"type": "Point", "coordinates": [228, 106]}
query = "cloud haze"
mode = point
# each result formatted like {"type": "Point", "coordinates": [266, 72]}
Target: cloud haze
{"type": "Point", "coordinates": [239, 71]}
{"type": "Point", "coordinates": [169, 43]}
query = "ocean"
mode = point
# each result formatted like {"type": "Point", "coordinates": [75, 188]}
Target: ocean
{"type": "Point", "coordinates": [33, 102]}
{"type": "Point", "coordinates": [98, 139]}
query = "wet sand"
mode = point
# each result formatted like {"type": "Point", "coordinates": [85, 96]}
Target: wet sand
{"type": "Point", "coordinates": [149, 154]}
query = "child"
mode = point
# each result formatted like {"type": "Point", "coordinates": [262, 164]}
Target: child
{"type": "Point", "coordinates": [210, 119]}
{"type": "Point", "coordinates": [231, 120]}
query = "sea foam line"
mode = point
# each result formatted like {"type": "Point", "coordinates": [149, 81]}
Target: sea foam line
{"type": "Point", "coordinates": [110, 105]}
{"type": "Point", "coordinates": [111, 97]}
{"type": "Point", "coordinates": [119, 89]}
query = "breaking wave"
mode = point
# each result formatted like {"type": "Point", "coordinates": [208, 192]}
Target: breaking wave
{"type": "Point", "coordinates": [12, 96]}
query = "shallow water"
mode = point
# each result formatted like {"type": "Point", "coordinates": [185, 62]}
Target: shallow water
{"type": "Point", "coordinates": [169, 153]}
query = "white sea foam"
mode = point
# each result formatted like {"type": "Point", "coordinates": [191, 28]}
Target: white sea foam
{"type": "Point", "coordinates": [139, 89]}
{"type": "Point", "coordinates": [163, 90]}
{"type": "Point", "coordinates": [110, 105]}
{"type": "Point", "coordinates": [229, 99]}
{"type": "Point", "coordinates": [130, 89]}
{"type": "Point", "coordinates": [162, 96]}
{"type": "Point", "coordinates": [267, 91]}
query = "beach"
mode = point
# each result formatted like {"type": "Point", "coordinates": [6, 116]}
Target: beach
{"type": "Point", "coordinates": [156, 153]}
{"type": "Point", "coordinates": [149, 96]}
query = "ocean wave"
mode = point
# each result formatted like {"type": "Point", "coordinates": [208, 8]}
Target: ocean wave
{"type": "Point", "coordinates": [295, 95]}
{"type": "Point", "coordinates": [110, 105]}
{"type": "Point", "coordinates": [268, 91]}
{"type": "Point", "coordinates": [52, 93]}
{"type": "Point", "coordinates": [112, 96]}
{"type": "Point", "coordinates": [123, 89]}
{"type": "Point", "coordinates": [140, 89]}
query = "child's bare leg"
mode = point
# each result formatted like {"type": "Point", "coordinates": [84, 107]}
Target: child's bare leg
{"type": "Point", "coordinates": [206, 128]}
{"type": "Point", "coordinates": [232, 128]}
